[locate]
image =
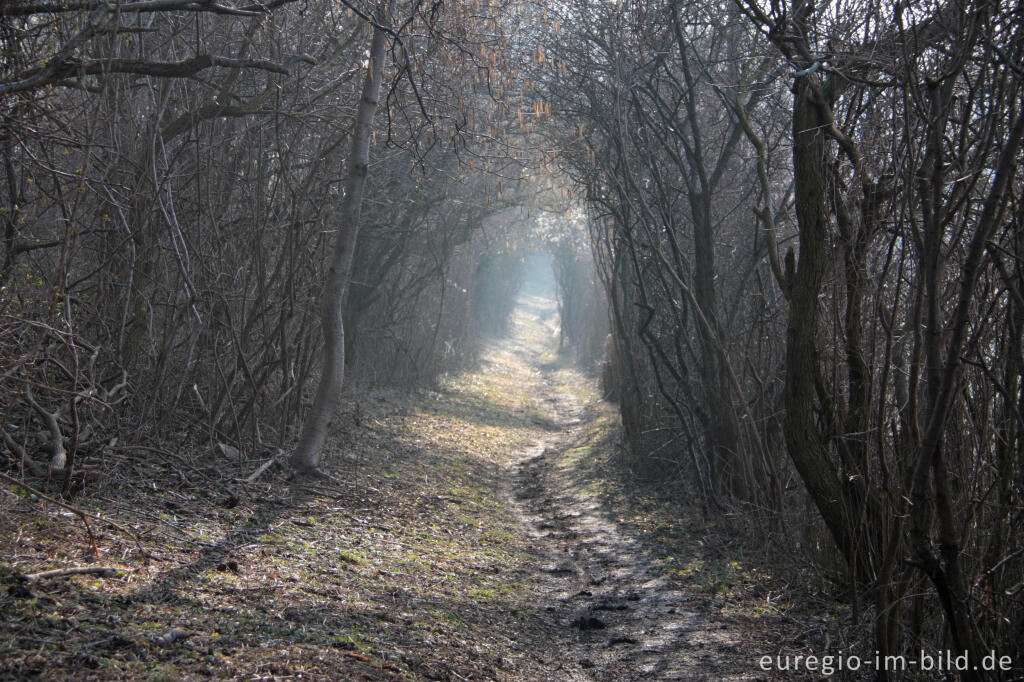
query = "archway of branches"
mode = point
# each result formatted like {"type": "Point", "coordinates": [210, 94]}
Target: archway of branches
{"type": "Point", "coordinates": [787, 234]}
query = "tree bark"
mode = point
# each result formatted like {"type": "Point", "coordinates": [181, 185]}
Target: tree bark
{"type": "Point", "coordinates": [803, 438]}
{"type": "Point", "coordinates": [305, 458]}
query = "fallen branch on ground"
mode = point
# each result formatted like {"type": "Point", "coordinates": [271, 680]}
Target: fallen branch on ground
{"type": "Point", "coordinates": [263, 468]}
{"type": "Point", "coordinates": [105, 571]}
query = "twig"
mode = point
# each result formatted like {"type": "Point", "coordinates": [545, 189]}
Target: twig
{"type": "Point", "coordinates": [81, 514]}
{"type": "Point", "coordinates": [84, 516]}
{"type": "Point", "coordinates": [173, 455]}
{"type": "Point", "coordinates": [53, 66]}
{"type": "Point", "coordinates": [263, 468]}
{"type": "Point", "coordinates": [105, 571]}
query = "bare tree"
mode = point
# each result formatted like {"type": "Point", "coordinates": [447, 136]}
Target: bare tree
{"type": "Point", "coordinates": [306, 454]}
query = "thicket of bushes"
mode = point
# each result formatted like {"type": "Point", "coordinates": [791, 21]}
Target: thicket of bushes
{"type": "Point", "coordinates": [807, 220]}
{"type": "Point", "coordinates": [166, 231]}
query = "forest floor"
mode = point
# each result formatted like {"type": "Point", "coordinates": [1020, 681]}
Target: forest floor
{"type": "Point", "coordinates": [481, 531]}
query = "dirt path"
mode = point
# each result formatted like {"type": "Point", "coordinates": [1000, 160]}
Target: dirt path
{"type": "Point", "coordinates": [621, 618]}
{"type": "Point", "coordinates": [480, 531]}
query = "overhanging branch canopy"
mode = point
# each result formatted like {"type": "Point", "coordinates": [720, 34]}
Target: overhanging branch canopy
{"type": "Point", "coordinates": [64, 65]}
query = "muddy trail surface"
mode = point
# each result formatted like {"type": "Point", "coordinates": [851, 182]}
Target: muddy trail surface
{"type": "Point", "coordinates": [482, 530]}
{"type": "Point", "coordinates": [620, 616]}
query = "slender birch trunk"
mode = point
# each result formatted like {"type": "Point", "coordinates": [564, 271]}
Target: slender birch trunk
{"type": "Point", "coordinates": [306, 456]}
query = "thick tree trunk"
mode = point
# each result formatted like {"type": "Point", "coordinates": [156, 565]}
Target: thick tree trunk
{"type": "Point", "coordinates": [803, 438]}
{"type": "Point", "coordinates": [306, 455]}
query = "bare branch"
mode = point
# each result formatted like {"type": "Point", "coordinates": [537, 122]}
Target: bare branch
{"type": "Point", "coordinates": [13, 9]}
{"type": "Point", "coordinates": [183, 69]}
{"type": "Point", "coordinates": [49, 73]}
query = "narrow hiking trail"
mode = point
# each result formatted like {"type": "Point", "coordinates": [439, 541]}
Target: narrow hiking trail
{"type": "Point", "coordinates": [622, 618]}
{"type": "Point", "coordinates": [478, 531]}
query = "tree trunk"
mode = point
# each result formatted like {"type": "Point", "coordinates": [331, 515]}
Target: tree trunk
{"type": "Point", "coordinates": [803, 438]}
{"type": "Point", "coordinates": [306, 455]}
